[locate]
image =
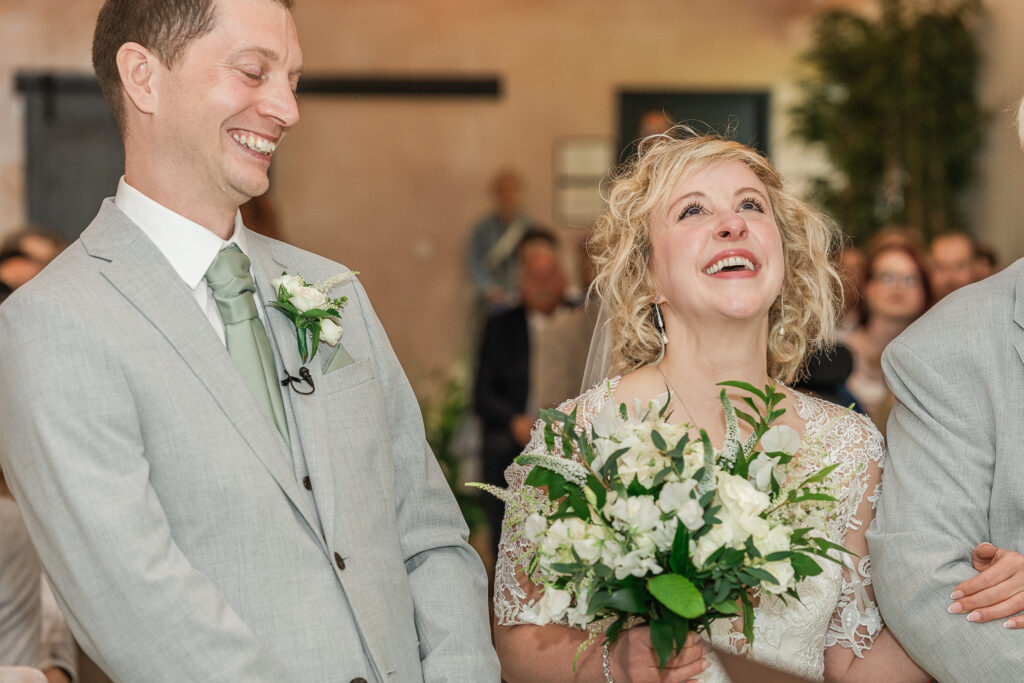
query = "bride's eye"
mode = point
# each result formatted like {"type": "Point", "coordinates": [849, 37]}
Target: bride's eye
{"type": "Point", "coordinates": [751, 204]}
{"type": "Point", "coordinates": [692, 209]}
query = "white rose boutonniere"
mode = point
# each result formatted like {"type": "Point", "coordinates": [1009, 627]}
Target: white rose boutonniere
{"type": "Point", "coordinates": [314, 314]}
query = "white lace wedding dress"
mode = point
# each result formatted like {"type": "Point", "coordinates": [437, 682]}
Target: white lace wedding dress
{"type": "Point", "coordinates": [836, 607]}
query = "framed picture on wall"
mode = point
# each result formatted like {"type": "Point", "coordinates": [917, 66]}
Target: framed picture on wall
{"type": "Point", "coordinates": [742, 115]}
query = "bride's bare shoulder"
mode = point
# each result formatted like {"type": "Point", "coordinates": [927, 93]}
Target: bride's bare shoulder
{"type": "Point", "coordinates": [642, 383]}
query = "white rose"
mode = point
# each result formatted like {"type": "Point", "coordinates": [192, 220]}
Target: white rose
{"type": "Point", "coordinates": [776, 540]}
{"type": "Point", "coordinates": [760, 471]}
{"type": "Point", "coordinates": [535, 526]}
{"type": "Point", "coordinates": [783, 573]}
{"type": "Point", "coordinates": [740, 496]}
{"type": "Point", "coordinates": [291, 283]}
{"type": "Point", "coordinates": [589, 549]}
{"type": "Point", "coordinates": [307, 298]}
{"type": "Point", "coordinates": [782, 439]}
{"type": "Point", "coordinates": [551, 607]}
{"type": "Point", "coordinates": [715, 538]}
{"type": "Point", "coordinates": [330, 332]}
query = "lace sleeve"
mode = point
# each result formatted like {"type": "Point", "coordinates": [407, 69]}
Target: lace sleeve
{"type": "Point", "coordinates": [854, 442]}
{"type": "Point", "coordinates": [514, 594]}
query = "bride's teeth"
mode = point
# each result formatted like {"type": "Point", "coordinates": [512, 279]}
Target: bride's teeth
{"type": "Point", "coordinates": [729, 262]}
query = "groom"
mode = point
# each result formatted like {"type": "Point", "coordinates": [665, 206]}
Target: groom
{"type": "Point", "coordinates": [954, 479]}
{"type": "Point", "coordinates": [199, 521]}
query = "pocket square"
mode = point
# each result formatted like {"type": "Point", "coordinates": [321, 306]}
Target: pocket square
{"type": "Point", "coordinates": [338, 359]}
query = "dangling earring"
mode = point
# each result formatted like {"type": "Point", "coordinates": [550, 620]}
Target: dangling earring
{"type": "Point", "coordinates": [782, 310]}
{"type": "Point", "coordinates": [659, 323]}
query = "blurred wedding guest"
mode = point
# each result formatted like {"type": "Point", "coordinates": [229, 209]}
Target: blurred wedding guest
{"type": "Point", "coordinates": [36, 243]}
{"type": "Point", "coordinates": [32, 630]}
{"type": "Point", "coordinates": [15, 270]}
{"type": "Point", "coordinates": [851, 272]}
{"type": "Point", "coordinates": [986, 262]}
{"type": "Point", "coordinates": [529, 357]}
{"type": "Point", "coordinates": [896, 293]}
{"type": "Point", "coordinates": [491, 253]}
{"type": "Point", "coordinates": [950, 262]}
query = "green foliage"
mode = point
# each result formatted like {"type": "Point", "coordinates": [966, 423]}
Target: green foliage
{"type": "Point", "coordinates": [893, 103]}
{"type": "Point", "coordinates": [442, 418]}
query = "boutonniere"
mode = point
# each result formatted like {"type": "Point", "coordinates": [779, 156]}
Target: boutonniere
{"type": "Point", "coordinates": [315, 316]}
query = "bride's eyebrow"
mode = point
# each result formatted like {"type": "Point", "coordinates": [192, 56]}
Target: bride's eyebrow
{"type": "Point", "coordinates": [679, 200]}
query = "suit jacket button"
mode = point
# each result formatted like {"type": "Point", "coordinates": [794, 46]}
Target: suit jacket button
{"type": "Point", "coordinates": [338, 561]}
{"type": "Point", "coordinates": [307, 483]}
{"type": "Point", "coordinates": [359, 680]}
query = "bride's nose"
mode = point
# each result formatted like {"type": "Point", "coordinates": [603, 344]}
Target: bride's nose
{"type": "Point", "coordinates": [732, 227]}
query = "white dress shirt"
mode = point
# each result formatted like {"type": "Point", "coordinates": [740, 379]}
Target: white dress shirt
{"type": "Point", "coordinates": [189, 247]}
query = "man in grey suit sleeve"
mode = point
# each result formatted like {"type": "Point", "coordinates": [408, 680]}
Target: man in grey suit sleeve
{"type": "Point", "coordinates": [954, 477]}
{"type": "Point", "coordinates": [198, 524]}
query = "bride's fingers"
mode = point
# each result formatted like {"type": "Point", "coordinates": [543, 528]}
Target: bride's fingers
{"type": "Point", "coordinates": [1009, 607]}
{"type": "Point", "coordinates": [987, 598]}
{"type": "Point", "coordinates": [1005, 565]}
{"type": "Point", "coordinates": [983, 555]}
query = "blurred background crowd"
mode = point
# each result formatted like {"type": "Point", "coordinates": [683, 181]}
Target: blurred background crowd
{"type": "Point", "coordinates": [454, 152]}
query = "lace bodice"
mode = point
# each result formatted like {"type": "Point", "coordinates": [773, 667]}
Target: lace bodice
{"type": "Point", "coordinates": [836, 607]}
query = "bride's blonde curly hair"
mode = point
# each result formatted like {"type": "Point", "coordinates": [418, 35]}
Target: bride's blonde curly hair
{"type": "Point", "coordinates": [620, 246]}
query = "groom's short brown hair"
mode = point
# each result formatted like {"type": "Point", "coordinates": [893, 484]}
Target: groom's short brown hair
{"type": "Point", "coordinates": [166, 27]}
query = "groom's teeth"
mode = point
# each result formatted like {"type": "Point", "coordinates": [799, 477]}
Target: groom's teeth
{"type": "Point", "coordinates": [255, 143]}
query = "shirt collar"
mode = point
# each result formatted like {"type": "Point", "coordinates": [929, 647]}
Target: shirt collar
{"type": "Point", "coordinates": [189, 247]}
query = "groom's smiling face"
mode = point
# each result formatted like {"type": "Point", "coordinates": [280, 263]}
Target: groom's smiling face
{"type": "Point", "coordinates": [225, 107]}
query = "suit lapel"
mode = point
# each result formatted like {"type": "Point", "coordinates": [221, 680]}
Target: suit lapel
{"type": "Point", "coordinates": [138, 270]}
{"type": "Point", "coordinates": [1018, 312]}
{"type": "Point", "coordinates": [308, 412]}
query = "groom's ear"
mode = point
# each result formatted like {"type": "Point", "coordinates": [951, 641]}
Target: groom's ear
{"type": "Point", "coordinates": [139, 69]}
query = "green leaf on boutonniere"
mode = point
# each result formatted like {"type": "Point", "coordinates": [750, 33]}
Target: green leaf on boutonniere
{"type": "Point", "coordinates": [316, 339]}
{"type": "Point", "coordinates": [300, 331]}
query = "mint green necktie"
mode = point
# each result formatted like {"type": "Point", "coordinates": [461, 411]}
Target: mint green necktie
{"type": "Point", "coordinates": [247, 342]}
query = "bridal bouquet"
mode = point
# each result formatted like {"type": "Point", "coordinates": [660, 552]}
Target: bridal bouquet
{"type": "Point", "coordinates": [648, 525]}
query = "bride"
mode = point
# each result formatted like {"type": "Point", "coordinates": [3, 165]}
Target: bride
{"type": "Point", "coordinates": [709, 271]}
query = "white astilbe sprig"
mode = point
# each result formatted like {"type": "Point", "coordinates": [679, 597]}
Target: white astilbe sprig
{"type": "Point", "coordinates": [570, 470]}
{"type": "Point", "coordinates": [732, 433]}
{"type": "Point", "coordinates": [505, 495]}
{"type": "Point", "coordinates": [332, 282]}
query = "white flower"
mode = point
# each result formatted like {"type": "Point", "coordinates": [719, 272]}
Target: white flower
{"type": "Point", "coordinates": [577, 614]}
{"type": "Point", "coordinates": [760, 472]}
{"type": "Point", "coordinates": [607, 419]}
{"type": "Point", "coordinates": [675, 498]}
{"type": "Point", "coordinates": [783, 573]}
{"type": "Point", "coordinates": [291, 283]}
{"type": "Point", "coordinates": [535, 525]}
{"type": "Point", "coordinates": [636, 563]}
{"type": "Point", "coordinates": [636, 513]}
{"type": "Point", "coordinates": [715, 538]}
{"type": "Point", "coordinates": [675, 494]}
{"type": "Point", "coordinates": [551, 607]}
{"type": "Point", "coordinates": [776, 540]}
{"type": "Point", "coordinates": [307, 298]}
{"type": "Point", "coordinates": [664, 534]}
{"type": "Point", "coordinates": [781, 438]}
{"type": "Point", "coordinates": [330, 332]}
{"type": "Point", "coordinates": [740, 496]}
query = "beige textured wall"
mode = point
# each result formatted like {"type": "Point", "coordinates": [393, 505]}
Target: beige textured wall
{"type": "Point", "coordinates": [391, 186]}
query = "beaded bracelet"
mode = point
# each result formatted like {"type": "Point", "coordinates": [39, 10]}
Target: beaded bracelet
{"type": "Point", "coordinates": [606, 665]}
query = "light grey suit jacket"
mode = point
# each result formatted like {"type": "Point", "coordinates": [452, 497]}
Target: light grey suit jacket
{"type": "Point", "coordinates": [955, 475]}
{"type": "Point", "coordinates": [169, 512]}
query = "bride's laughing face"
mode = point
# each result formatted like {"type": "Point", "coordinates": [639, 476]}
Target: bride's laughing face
{"type": "Point", "coordinates": [716, 251]}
